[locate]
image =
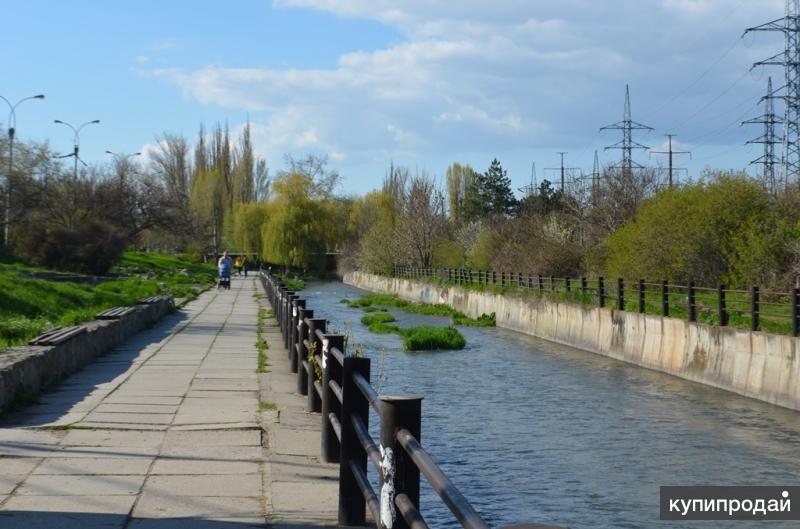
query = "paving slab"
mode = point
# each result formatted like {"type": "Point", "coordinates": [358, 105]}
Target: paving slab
{"type": "Point", "coordinates": [94, 466]}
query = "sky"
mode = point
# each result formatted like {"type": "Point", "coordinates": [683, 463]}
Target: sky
{"type": "Point", "coordinates": [421, 83]}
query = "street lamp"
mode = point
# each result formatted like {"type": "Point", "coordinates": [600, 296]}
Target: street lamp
{"type": "Point", "coordinates": [121, 161]}
{"type": "Point", "coordinates": [76, 140]}
{"type": "Point", "coordinates": [12, 124]}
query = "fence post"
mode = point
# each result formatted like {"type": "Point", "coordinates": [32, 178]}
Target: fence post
{"type": "Point", "coordinates": [552, 284]}
{"type": "Point", "coordinates": [301, 352]}
{"type": "Point", "coordinates": [754, 308]}
{"type": "Point", "coordinates": [293, 332]}
{"type": "Point", "coordinates": [402, 412]}
{"type": "Point", "coordinates": [278, 305]}
{"type": "Point", "coordinates": [541, 284]}
{"type": "Point", "coordinates": [722, 306]}
{"type": "Point", "coordinates": [641, 296]}
{"type": "Point", "coordinates": [665, 298]}
{"type": "Point", "coordinates": [352, 505]}
{"type": "Point", "coordinates": [314, 403]}
{"type": "Point", "coordinates": [287, 316]}
{"type": "Point", "coordinates": [620, 293]}
{"type": "Point", "coordinates": [567, 284]}
{"type": "Point", "coordinates": [601, 291]}
{"type": "Point", "coordinates": [692, 302]}
{"type": "Point", "coordinates": [584, 285]}
{"type": "Point", "coordinates": [330, 404]}
{"type": "Point", "coordinates": [795, 312]}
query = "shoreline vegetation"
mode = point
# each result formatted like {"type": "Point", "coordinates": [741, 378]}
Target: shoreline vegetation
{"type": "Point", "coordinates": [423, 338]}
{"type": "Point", "coordinates": [31, 305]}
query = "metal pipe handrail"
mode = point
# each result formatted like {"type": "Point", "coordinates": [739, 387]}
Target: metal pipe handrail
{"type": "Point", "coordinates": [373, 453]}
{"type": "Point", "coordinates": [337, 390]}
{"type": "Point", "coordinates": [337, 354]}
{"type": "Point", "coordinates": [337, 426]}
{"type": "Point", "coordinates": [410, 513]}
{"type": "Point", "coordinates": [368, 391]}
{"type": "Point", "coordinates": [447, 491]}
{"type": "Point", "coordinates": [366, 490]}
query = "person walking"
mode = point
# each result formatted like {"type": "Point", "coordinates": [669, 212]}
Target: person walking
{"type": "Point", "coordinates": [224, 265]}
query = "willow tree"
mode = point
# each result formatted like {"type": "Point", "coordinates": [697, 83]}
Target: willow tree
{"type": "Point", "coordinates": [209, 205]}
{"type": "Point", "coordinates": [294, 235]}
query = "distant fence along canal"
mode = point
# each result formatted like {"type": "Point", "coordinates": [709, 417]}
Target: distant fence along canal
{"type": "Point", "coordinates": [337, 386]}
{"type": "Point", "coordinates": [754, 309]}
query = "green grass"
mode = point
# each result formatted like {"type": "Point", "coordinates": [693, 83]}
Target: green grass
{"type": "Point", "coordinates": [432, 338]}
{"type": "Point", "coordinates": [261, 343]}
{"type": "Point", "coordinates": [379, 302]}
{"type": "Point", "coordinates": [293, 284]}
{"type": "Point", "coordinates": [263, 406]}
{"type": "Point", "coordinates": [30, 306]}
{"type": "Point", "coordinates": [415, 338]}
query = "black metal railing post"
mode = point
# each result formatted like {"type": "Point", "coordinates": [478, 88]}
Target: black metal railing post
{"type": "Point", "coordinates": [567, 285]}
{"type": "Point", "coordinates": [642, 299]}
{"type": "Point", "coordinates": [331, 371]}
{"type": "Point", "coordinates": [287, 317]}
{"type": "Point", "coordinates": [541, 284]}
{"type": "Point", "coordinates": [722, 306]}
{"type": "Point", "coordinates": [352, 505]}
{"type": "Point", "coordinates": [755, 308]}
{"type": "Point", "coordinates": [314, 403]}
{"type": "Point", "coordinates": [299, 305]}
{"type": "Point", "coordinates": [692, 301]}
{"type": "Point", "coordinates": [601, 291]}
{"type": "Point", "coordinates": [301, 351]}
{"type": "Point", "coordinates": [796, 312]}
{"type": "Point", "coordinates": [399, 474]}
{"type": "Point", "coordinates": [665, 298]}
{"type": "Point", "coordinates": [620, 294]}
{"type": "Point", "coordinates": [584, 285]}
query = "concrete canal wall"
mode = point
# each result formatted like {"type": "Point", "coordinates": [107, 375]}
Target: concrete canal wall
{"type": "Point", "coordinates": [755, 364]}
{"type": "Point", "coordinates": [25, 370]}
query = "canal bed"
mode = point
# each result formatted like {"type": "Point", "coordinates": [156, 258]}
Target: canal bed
{"type": "Point", "coordinates": [532, 431]}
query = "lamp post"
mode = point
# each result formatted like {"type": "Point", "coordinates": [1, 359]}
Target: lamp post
{"type": "Point", "coordinates": [12, 124]}
{"type": "Point", "coordinates": [76, 139]}
{"type": "Point", "coordinates": [121, 161]}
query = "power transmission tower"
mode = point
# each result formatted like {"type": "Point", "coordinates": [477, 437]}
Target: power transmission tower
{"type": "Point", "coordinates": [530, 190]}
{"type": "Point", "coordinates": [595, 178]}
{"type": "Point", "coordinates": [563, 170]}
{"type": "Point", "coordinates": [768, 139]}
{"type": "Point", "coordinates": [670, 152]}
{"type": "Point", "coordinates": [627, 126]}
{"type": "Point", "coordinates": [789, 58]}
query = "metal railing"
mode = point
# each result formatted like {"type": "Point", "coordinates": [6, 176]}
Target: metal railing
{"type": "Point", "coordinates": [754, 308]}
{"type": "Point", "coordinates": [337, 386]}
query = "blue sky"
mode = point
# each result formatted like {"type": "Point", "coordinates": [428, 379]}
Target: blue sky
{"type": "Point", "coordinates": [421, 82]}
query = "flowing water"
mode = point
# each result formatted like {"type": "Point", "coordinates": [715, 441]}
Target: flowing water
{"type": "Point", "coordinates": [532, 431]}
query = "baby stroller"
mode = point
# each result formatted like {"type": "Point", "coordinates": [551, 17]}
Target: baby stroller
{"type": "Point", "coordinates": [224, 277]}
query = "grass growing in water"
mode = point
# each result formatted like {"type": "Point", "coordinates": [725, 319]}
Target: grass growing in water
{"type": "Point", "coordinates": [378, 302]}
{"type": "Point", "coordinates": [432, 338]}
{"type": "Point", "coordinates": [379, 323]}
{"type": "Point", "coordinates": [416, 338]}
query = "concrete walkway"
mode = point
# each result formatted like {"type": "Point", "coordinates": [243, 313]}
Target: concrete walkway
{"type": "Point", "coordinates": [164, 432]}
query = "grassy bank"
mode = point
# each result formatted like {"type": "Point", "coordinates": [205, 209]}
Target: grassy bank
{"type": "Point", "coordinates": [29, 306]}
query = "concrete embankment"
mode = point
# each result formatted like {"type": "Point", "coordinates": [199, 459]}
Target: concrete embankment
{"type": "Point", "coordinates": [755, 364]}
{"type": "Point", "coordinates": [25, 370]}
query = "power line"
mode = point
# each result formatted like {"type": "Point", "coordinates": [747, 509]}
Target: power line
{"type": "Point", "coordinates": [563, 170]}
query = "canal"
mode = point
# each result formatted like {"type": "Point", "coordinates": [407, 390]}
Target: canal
{"type": "Point", "coordinates": [532, 431]}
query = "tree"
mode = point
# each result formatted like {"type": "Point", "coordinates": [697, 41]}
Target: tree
{"type": "Point", "coordinates": [422, 222]}
{"type": "Point", "coordinates": [459, 184]}
{"type": "Point", "coordinates": [545, 200]}
{"type": "Point", "coordinates": [491, 194]}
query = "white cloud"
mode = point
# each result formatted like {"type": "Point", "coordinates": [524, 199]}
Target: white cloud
{"type": "Point", "coordinates": [491, 76]}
